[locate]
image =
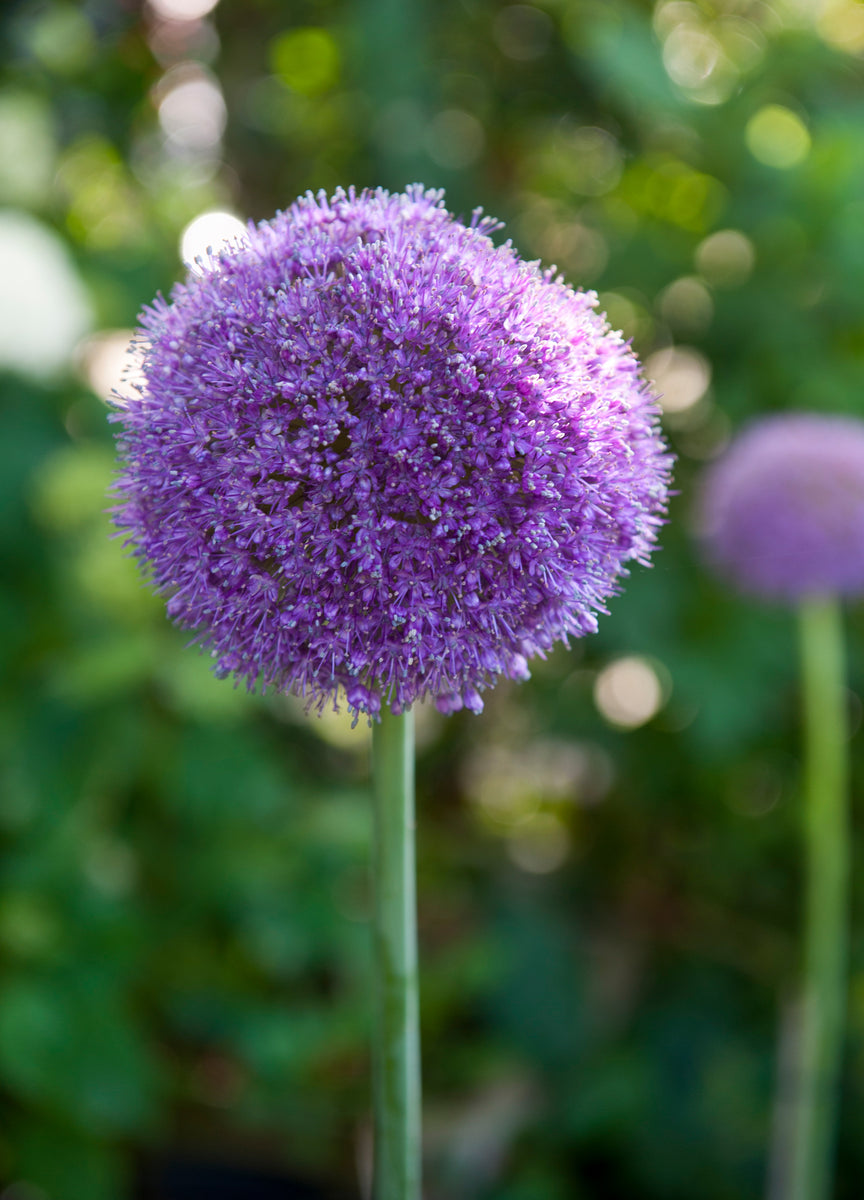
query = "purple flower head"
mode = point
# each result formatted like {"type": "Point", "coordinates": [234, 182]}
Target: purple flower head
{"type": "Point", "coordinates": [376, 453]}
{"type": "Point", "coordinates": [783, 509]}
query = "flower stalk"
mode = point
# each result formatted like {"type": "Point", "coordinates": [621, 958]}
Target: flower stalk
{"type": "Point", "coordinates": [396, 1050]}
{"type": "Point", "coordinates": [826, 821]}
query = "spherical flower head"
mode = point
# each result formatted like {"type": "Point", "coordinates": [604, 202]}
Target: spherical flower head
{"type": "Point", "coordinates": [783, 509]}
{"type": "Point", "coordinates": [375, 453]}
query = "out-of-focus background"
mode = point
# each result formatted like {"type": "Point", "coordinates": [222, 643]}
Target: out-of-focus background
{"type": "Point", "coordinates": [609, 855]}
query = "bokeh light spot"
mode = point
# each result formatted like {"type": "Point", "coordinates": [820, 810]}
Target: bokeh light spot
{"type": "Point", "coordinates": [689, 56]}
{"type": "Point", "coordinates": [777, 137]}
{"type": "Point", "coordinates": [540, 845]}
{"type": "Point", "coordinates": [628, 692]}
{"type": "Point", "coordinates": [592, 161]}
{"type": "Point", "coordinates": [675, 14]}
{"type": "Point", "coordinates": [726, 258]}
{"type": "Point", "coordinates": [61, 38]}
{"type": "Point", "coordinates": [686, 304]}
{"type": "Point", "coordinates": [507, 785]}
{"type": "Point", "coordinates": [182, 10]}
{"type": "Point", "coordinates": [208, 234]}
{"type": "Point", "coordinates": [454, 139]}
{"type": "Point", "coordinates": [307, 60]}
{"type": "Point", "coordinates": [627, 312]}
{"type": "Point", "coordinates": [841, 24]}
{"type": "Point", "coordinates": [44, 310]}
{"type": "Point", "coordinates": [192, 109]}
{"type": "Point", "coordinates": [340, 729]}
{"type": "Point", "coordinates": [111, 363]}
{"type": "Point", "coordinates": [550, 231]}
{"type": "Point", "coordinates": [681, 376]}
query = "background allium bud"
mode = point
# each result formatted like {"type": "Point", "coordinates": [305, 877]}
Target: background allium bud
{"type": "Point", "coordinates": [783, 509]}
{"type": "Point", "coordinates": [376, 452]}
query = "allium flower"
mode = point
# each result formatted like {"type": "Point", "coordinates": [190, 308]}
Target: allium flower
{"type": "Point", "coordinates": [783, 509]}
{"type": "Point", "coordinates": [375, 452]}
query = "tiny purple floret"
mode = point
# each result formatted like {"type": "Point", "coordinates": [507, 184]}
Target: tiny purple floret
{"type": "Point", "coordinates": [375, 454]}
{"type": "Point", "coordinates": [783, 509]}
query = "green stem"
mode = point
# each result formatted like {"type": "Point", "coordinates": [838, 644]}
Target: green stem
{"type": "Point", "coordinates": [826, 904]}
{"type": "Point", "coordinates": [397, 1037]}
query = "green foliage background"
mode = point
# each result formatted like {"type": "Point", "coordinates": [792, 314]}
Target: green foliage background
{"type": "Point", "coordinates": [184, 955]}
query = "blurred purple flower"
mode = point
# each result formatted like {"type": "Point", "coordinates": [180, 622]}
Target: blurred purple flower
{"type": "Point", "coordinates": [783, 509]}
{"type": "Point", "coordinates": [375, 452]}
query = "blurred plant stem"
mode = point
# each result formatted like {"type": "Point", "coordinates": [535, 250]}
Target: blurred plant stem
{"type": "Point", "coordinates": [397, 1036]}
{"type": "Point", "coordinates": [826, 904]}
